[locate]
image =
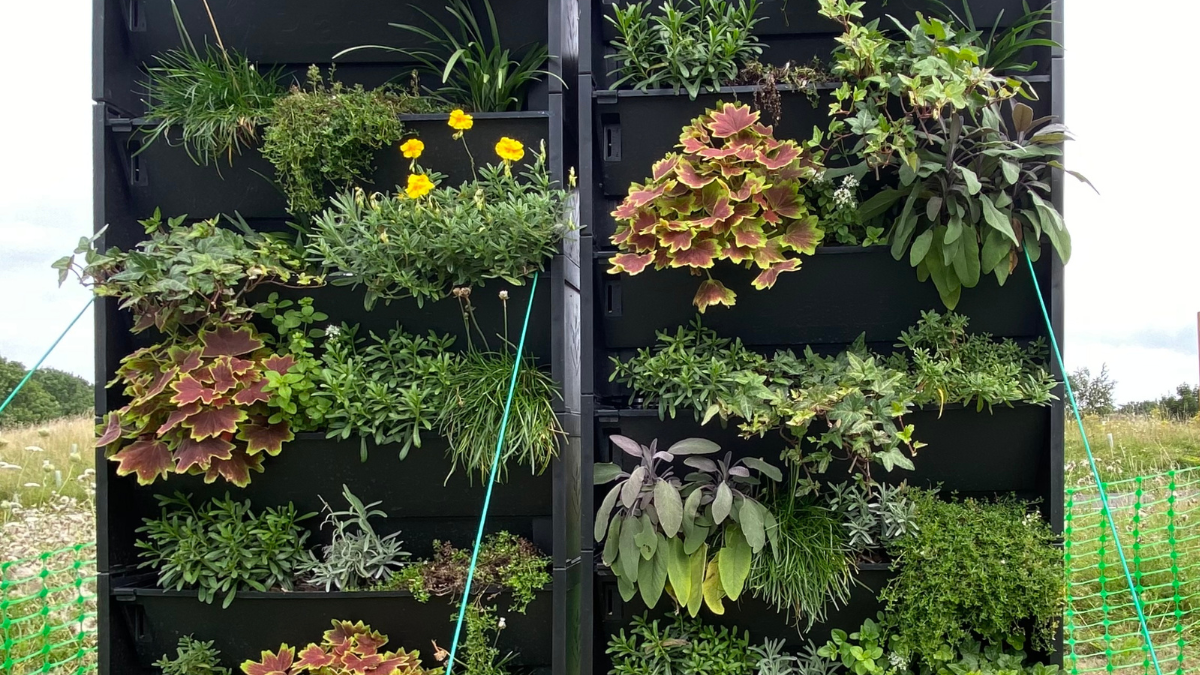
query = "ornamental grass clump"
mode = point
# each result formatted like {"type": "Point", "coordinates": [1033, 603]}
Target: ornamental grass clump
{"type": "Point", "coordinates": [428, 237]}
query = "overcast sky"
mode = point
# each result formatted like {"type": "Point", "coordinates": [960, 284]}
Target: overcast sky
{"type": "Point", "coordinates": [1132, 291]}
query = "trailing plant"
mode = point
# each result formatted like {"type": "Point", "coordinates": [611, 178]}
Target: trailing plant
{"type": "Point", "coordinates": [766, 80]}
{"type": "Point", "coordinates": [700, 533]}
{"type": "Point", "coordinates": [480, 653]}
{"type": "Point", "coordinates": [193, 657]}
{"type": "Point", "coordinates": [873, 516]}
{"type": "Point", "coordinates": [950, 365]}
{"type": "Point", "coordinates": [505, 561]}
{"type": "Point", "coordinates": [809, 565]}
{"type": "Point", "coordinates": [427, 240]}
{"type": "Point", "coordinates": [325, 134]}
{"type": "Point", "coordinates": [972, 569]}
{"type": "Point", "coordinates": [216, 99]}
{"type": "Point", "coordinates": [474, 69]}
{"type": "Point", "coordinates": [733, 193]}
{"type": "Point", "coordinates": [680, 645]}
{"type": "Point", "coordinates": [973, 187]}
{"type": "Point", "coordinates": [856, 401]}
{"type": "Point", "coordinates": [692, 45]}
{"type": "Point", "coordinates": [222, 547]}
{"type": "Point", "coordinates": [198, 406]}
{"type": "Point", "coordinates": [356, 556]}
{"type": "Point", "coordinates": [185, 276]}
{"type": "Point", "coordinates": [346, 649]}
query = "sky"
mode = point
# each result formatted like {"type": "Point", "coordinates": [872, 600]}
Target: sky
{"type": "Point", "coordinates": [1131, 286]}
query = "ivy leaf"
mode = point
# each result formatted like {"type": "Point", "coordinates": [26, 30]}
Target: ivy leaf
{"type": "Point", "coordinates": [734, 561]}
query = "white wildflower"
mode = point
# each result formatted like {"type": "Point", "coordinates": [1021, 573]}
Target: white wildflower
{"type": "Point", "coordinates": [502, 623]}
{"type": "Point", "coordinates": [33, 448]}
{"type": "Point", "coordinates": [332, 331]}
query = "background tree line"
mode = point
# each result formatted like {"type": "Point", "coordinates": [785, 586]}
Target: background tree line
{"type": "Point", "coordinates": [49, 394]}
{"type": "Point", "coordinates": [1094, 394]}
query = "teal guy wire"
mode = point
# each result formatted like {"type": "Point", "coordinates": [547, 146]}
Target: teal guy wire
{"type": "Point", "coordinates": [37, 365]}
{"type": "Point", "coordinates": [487, 500]}
{"type": "Point", "coordinates": [1112, 524]}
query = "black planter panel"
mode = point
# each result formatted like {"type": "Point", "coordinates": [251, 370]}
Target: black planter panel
{"type": "Point", "coordinates": [162, 176]}
{"type": "Point", "coordinates": [149, 623]}
{"type": "Point", "coordinates": [129, 33]}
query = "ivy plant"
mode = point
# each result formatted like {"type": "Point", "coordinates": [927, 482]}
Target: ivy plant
{"type": "Point", "coordinates": [184, 275]}
{"type": "Point", "coordinates": [733, 193]}
{"type": "Point", "coordinates": [222, 546]}
{"type": "Point", "coordinates": [691, 45]}
{"type": "Point", "coordinates": [197, 406]}
{"type": "Point", "coordinates": [699, 533]}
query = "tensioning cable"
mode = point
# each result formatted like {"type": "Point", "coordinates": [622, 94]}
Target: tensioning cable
{"type": "Point", "coordinates": [17, 389]}
{"type": "Point", "coordinates": [1062, 368]}
{"type": "Point", "coordinates": [487, 500]}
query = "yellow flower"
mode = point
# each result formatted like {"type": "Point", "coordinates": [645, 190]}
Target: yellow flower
{"type": "Point", "coordinates": [419, 185]}
{"type": "Point", "coordinates": [412, 148]}
{"type": "Point", "coordinates": [460, 120]}
{"type": "Point", "coordinates": [510, 150]}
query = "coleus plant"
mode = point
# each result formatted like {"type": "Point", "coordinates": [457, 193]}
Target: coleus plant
{"type": "Point", "coordinates": [732, 193]}
{"type": "Point", "coordinates": [197, 406]}
{"type": "Point", "coordinates": [346, 649]}
{"type": "Point", "coordinates": [695, 537]}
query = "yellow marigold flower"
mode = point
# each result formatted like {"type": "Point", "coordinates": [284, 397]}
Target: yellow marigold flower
{"type": "Point", "coordinates": [510, 150]}
{"type": "Point", "coordinates": [412, 148]}
{"type": "Point", "coordinates": [460, 120]}
{"type": "Point", "coordinates": [419, 185]}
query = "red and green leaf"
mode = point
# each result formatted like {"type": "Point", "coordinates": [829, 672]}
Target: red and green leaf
{"type": "Point", "coordinates": [189, 390]}
{"type": "Point", "coordinates": [268, 438]}
{"type": "Point", "coordinates": [713, 292]}
{"type": "Point", "coordinates": [201, 454]}
{"type": "Point", "coordinates": [313, 657]}
{"type": "Point", "coordinates": [689, 176]}
{"type": "Point", "coordinates": [803, 236]}
{"type": "Point", "coordinates": [749, 234]}
{"type": "Point", "coordinates": [731, 119]}
{"type": "Point", "coordinates": [663, 167]}
{"type": "Point", "coordinates": [235, 470]}
{"type": "Point", "coordinates": [177, 417]}
{"type": "Point", "coordinates": [280, 364]}
{"type": "Point", "coordinates": [271, 663]}
{"type": "Point", "coordinates": [112, 430]}
{"type": "Point", "coordinates": [770, 254]}
{"type": "Point", "coordinates": [229, 341]}
{"type": "Point", "coordinates": [767, 277]}
{"type": "Point", "coordinates": [781, 201]}
{"type": "Point", "coordinates": [255, 392]}
{"type": "Point", "coordinates": [222, 375]}
{"type": "Point", "coordinates": [641, 196]}
{"type": "Point", "coordinates": [212, 422]}
{"type": "Point", "coordinates": [780, 157]}
{"type": "Point", "coordinates": [699, 256]}
{"type": "Point", "coordinates": [677, 240]}
{"type": "Point", "coordinates": [630, 263]}
{"type": "Point", "coordinates": [146, 457]}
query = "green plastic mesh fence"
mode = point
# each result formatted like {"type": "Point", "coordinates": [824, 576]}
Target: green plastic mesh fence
{"type": "Point", "coordinates": [1154, 515]}
{"type": "Point", "coordinates": [48, 613]}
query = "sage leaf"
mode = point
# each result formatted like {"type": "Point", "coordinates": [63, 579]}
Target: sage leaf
{"type": "Point", "coordinates": [669, 507]}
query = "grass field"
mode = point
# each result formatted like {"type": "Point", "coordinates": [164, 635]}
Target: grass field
{"type": "Point", "coordinates": [1127, 447]}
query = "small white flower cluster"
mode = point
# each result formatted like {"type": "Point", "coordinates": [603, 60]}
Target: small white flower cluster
{"type": "Point", "coordinates": [843, 197]}
{"type": "Point", "coordinates": [332, 330]}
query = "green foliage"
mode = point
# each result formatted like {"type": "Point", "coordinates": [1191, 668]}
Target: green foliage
{"type": "Point", "coordinates": [873, 515]}
{"type": "Point", "coordinates": [690, 45]}
{"type": "Point", "coordinates": [343, 650]}
{"type": "Point", "coordinates": [1182, 405]}
{"type": "Point", "coordinates": [222, 547]}
{"type": "Point", "coordinates": [185, 276]}
{"type": "Point", "coordinates": [973, 187]}
{"type": "Point", "coordinates": [473, 67]}
{"type": "Point", "coordinates": [700, 533]}
{"type": "Point", "coordinates": [495, 227]}
{"type": "Point", "coordinates": [480, 655]}
{"type": "Point", "coordinates": [949, 365]}
{"type": "Point", "coordinates": [193, 657]}
{"type": "Point", "coordinates": [1093, 394]}
{"type": "Point", "coordinates": [732, 194]}
{"type": "Point", "coordinates": [860, 652]}
{"type": "Point", "coordinates": [836, 204]}
{"type": "Point", "coordinates": [773, 661]}
{"type": "Point", "coordinates": [855, 399]}
{"type": "Point", "coordinates": [680, 646]}
{"type": "Point", "coordinates": [216, 98]}
{"type": "Point", "coordinates": [197, 406]}
{"type": "Point", "coordinates": [33, 404]}
{"type": "Point", "coordinates": [388, 390]}
{"type": "Point", "coordinates": [505, 561]}
{"type": "Point", "coordinates": [74, 395]}
{"type": "Point", "coordinates": [356, 556]}
{"type": "Point", "coordinates": [809, 564]}
{"type": "Point", "coordinates": [326, 135]}
{"type": "Point", "coordinates": [972, 569]}
{"type": "Point", "coordinates": [1002, 48]}
{"type": "Point", "coordinates": [294, 392]}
